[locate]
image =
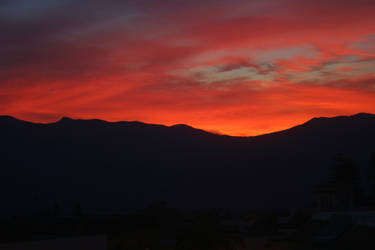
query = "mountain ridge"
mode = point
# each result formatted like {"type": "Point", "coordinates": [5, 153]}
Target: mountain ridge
{"type": "Point", "coordinates": [64, 119]}
{"type": "Point", "coordinates": [122, 166]}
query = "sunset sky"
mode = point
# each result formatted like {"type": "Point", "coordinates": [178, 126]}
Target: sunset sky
{"type": "Point", "coordinates": [229, 66]}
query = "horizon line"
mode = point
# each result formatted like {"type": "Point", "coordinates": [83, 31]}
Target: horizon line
{"type": "Point", "coordinates": [61, 118]}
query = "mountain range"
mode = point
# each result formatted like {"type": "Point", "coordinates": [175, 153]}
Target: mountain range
{"type": "Point", "coordinates": [123, 166]}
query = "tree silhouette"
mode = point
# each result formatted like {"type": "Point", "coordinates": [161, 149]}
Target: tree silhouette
{"type": "Point", "coordinates": [56, 209]}
{"type": "Point", "coordinates": [345, 173]}
{"type": "Point", "coordinates": [345, 177]}
{"type": "Point", "coordinates": [78, 209]}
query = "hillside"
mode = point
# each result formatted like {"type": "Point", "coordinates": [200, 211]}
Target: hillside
{"type": "Point", "coordinates": [122, 166]}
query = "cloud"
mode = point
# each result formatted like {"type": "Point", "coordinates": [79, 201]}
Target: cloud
{"type": "Point", "coordinates": [240, 67]}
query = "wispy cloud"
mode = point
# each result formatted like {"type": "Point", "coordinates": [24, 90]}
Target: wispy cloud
{"type": "Point", "coordinates": [239, 67]}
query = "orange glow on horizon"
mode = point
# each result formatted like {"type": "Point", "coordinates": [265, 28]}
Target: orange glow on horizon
{"type": "Point", "coordinates": [241, 69]}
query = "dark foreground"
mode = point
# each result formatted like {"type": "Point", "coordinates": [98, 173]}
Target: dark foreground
{"type": "Point", "coordinates": [161, 227]}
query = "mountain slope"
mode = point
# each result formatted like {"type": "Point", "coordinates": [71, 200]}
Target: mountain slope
{"type": "Point", "coordinates": [126, 165]}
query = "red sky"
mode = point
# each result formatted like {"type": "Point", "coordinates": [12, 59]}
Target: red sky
{"type": "Point", "coordinates": [231, 66]}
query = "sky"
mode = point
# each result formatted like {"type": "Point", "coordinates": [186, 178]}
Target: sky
{"type": "Point", "coordinates": [233, 67]}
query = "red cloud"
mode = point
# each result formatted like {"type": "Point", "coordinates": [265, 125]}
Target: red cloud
{"type": "Point", "coordinates": [265, 66]}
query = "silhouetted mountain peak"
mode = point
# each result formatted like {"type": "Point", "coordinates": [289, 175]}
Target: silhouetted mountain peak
{"type": "Point", "coordinates": [188, 129]}
{"type": "Point", "coordinates": [359, 116]}
{"type": "Point", "coordinates": [181, 126]}
{"type": "Point", "coordinates": [364, 115]}
{"type": "Point", "coordinates": [68, 120]}
{"type": "Point", "coordinates": [317, 120]}
{"type": "Point", "coordinates": [65, 119]}
{"type": "Point", "coordinates": [7, 118]}
{"type": "Point", "coordinates": [328, 125]}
